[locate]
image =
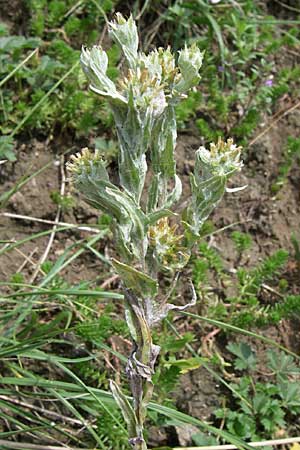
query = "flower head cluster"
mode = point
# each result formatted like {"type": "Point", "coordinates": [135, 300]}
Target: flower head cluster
{"type": "Point", "coordinates": [223, 158]}
{"type": "Point", "coordinates": [146, 90]}
{"type": "Point", "coordinates": [151, 80]}
{"type": "Point", "coordinates": [166, 241]}
{"type": "Point", "coordinates": [84, 162]}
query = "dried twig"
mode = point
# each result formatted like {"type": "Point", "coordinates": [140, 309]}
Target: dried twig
{"type": "Point", "coordinates": [109, 281]}
{"type": "Point", "coordinates": [290, 8]}
{"type": "Point", "coordinates": [50, 222]}
{"type": "Point", "coordinates": [56, 221]}
{"type": "Point", "coordinates": [26, 259]}
{"type": "Point", "coordinates": [270, 289]}
{"type": "Point", "coordinates": [25, 445]}
{"type": "Point", "coordinates": [275, 121]}
{"type": "Point", "coordinates": [47, 412]}
{"type": "Point", "coordinates": [73, 9]}
{"type": "Point", "coordinates": [252, 444]}
{"type": "Point", "coordinates": [20, 445]}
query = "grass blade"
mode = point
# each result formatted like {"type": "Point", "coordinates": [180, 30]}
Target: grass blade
{"type": "Point", "coordinates": [229, 327]}
{"type": "Point", "coordinates": [71, 292]}
{"type": "Point", "coordinates": [71, 390]}
{"type": "Point", "coordinates": [22, 63]}
{"type": "Point", "coordinates": [43, 99]}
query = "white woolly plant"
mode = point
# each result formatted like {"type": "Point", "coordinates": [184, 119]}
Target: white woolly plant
{"type": "Point", "coordinates": [149, 246]}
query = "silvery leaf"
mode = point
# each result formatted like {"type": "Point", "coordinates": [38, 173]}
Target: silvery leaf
{"type": "Point", "coordinates": [175, 194]}
{"type": "Point", "coordinates": [189, 61]}
{"type": "Point", "coordinates": [137, 281]}
{"type": "Point", "coordinates": [94, 64]}
{"type": "Point", "coordinates": [208, 183]}
{"type": "Point", "coordinates": [91, 179]}
{"type": "Point", "coordinates": [127, 410]}
{"type": "Point", "coordinates": [163, 144]}
{"type": "Point", "coordinates": [124, 32]}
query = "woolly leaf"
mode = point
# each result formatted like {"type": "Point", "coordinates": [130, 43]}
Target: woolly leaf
{"type": "Point", "coordinates": [132, 135]}
{"type": "Point", "coordinates": [189, 61]}
{"type": "Point", "coordinates": [163, 144]}
{"type": "Point", "coordinates": [94, 64]}
{"type": "Point", "coordinates": [208, 183]}
{"type": "Point", "coordinates": [127, 410]}
{"type": "Point", "coordinates": [124, 32]}
{"type": "Point", "coordinates": [91, 179]}
{"type": "Point", "coordinates": [135, 280]}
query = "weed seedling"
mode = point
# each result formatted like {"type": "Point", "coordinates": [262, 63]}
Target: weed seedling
{"type": "Point", "coordinates": [291, 154]}
{"type": "Point", "coordinates": [266, 404]}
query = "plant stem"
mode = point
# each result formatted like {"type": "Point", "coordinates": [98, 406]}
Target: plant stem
{"type": "Point", "coordinates": [140, 366]}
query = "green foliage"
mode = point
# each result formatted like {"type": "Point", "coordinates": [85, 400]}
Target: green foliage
{"type": "Point", "coordinates": [208, 260]}
{"type": "Point", "coordinates": [269, 402]}
{"type": "Point", "coordinates": [65, 201]}
{"type": "Point", "coordinates": [63, 337]}
{"type": "Point", "coordinates": [6, 148]}
{"type": "Point", "coordinates": [291, 154]}
{"type": "Point", "coordinates": [17, 278]}
{"type": "Point", "coordinates": [245, 358]}
{"type": "Point", "coordinates": [238, 80]}
{"type": "Point", "coordinates": [107, 148]}
{"type": "Point", "coordinates": [187, 109]}
{"type": "Point", "coordinates": [296, 246]}
{"type": "Point", "coordinates": [248, 286]}
{"type": "Point", "coordinates": [200, 439]}
{"type": "Point", "coordinates": [242, 241]}
{"type": "Point", "coordinates": [288, 308]}
{"type": "Point", "coordinates": [170, 367]}
{"type": "Point", "coordinates": [251, 281]}
{"type": "Point", "coordinates": [101, 329]}
{"type": "Point", "coordinates": [206, 131]}
{"type": "Point", "coordinates": [92, 373]}
{"type": "Point", "coordinates": [114, 436]}
{"type": "Point", "coordinates": [60, 30]}
{"type": "Point", "coordinates": [246, 126]}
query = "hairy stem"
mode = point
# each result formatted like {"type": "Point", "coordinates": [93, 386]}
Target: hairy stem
{"type": "Point", "coordinates": [140, 366]}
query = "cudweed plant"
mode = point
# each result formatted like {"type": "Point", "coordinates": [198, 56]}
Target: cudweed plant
{"type": "Point", "coordinates": [148, 243]}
